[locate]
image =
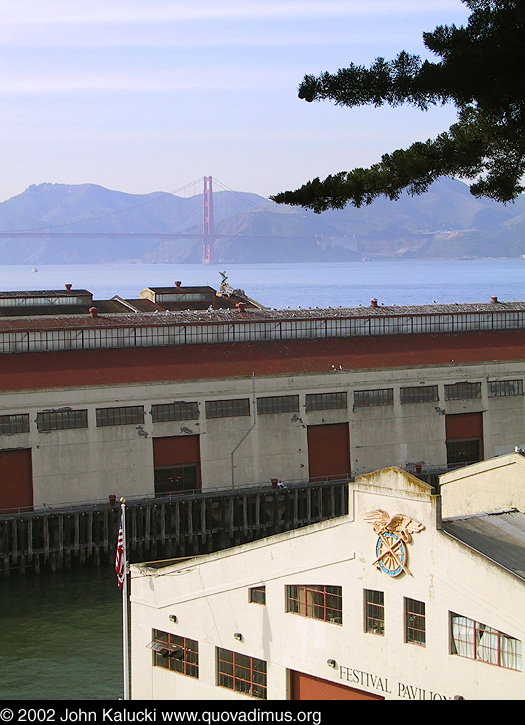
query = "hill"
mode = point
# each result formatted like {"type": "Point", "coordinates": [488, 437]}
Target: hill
{"type": "Point", "coordinates": [59, 222]}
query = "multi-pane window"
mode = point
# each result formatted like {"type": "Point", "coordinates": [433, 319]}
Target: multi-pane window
{"type": "Point", "coordinates": [126, 415]}
{"type": "Point", "coordinates": [241, 673]}
{"type": "Point", "coordinates": [174, 411]}
{"type": "Point", "coordinates": [478, 642]}
{"type": "Point", "coordinates": [227, 408]}
{"type": "Point", "coordinates": [374, 611]}
{"type": "Point", "coordinates": [415, 622]}
{"type": "Point", "coordinates": [278, 404]}
{"type": "Point", "coordinates": [463, 452]}
{"type": "Point", "coordinates": [368, 398]}
{"type": "Point", "coordinates": [257, 595]}
{"type": "Point", "coordinates": [420, 394]}
{"type": "Point", "coordinates": [462, 391]}
{"type": "Point", "coordinates": [325, 401]}
{"type": "Point", "coordinates": [61, 420]}
{"type": "Point", "coordinates": [316, 601]}
{"type": "Point", "coordinates": [502, 388]}
{"type": "Point", "coordinates": [178, 654]}
{"type": "Point", "coordinates": [16, 423]}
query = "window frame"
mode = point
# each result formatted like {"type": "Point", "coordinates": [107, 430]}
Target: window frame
{"type": "Point", "coordinates": [374, 612]}
{"type": "Point", "coordinates": [14, 423]}
{"type": "Point", "coordinates": [230, 408]}
{"type": "Point", "coordinates": [321, 602]}
{"type": "Point", "coordinates": [52, 420]}
{"type": "Point", "coordinates": [462, 391]}
{"type": "Point", "coordinates": [326, 401]}
{"type": "Point", "coordinates": [414, 618]}
{"type": "Point", "coordinates": [504, 388]}
{"type": "Point", "coordinates": [188, 665]}
{"type": "Point", "coordinates": [414, 394]}
{"type": "Point", "coordinates": [231, 664]}
{"type": "Point", "coordinates": [120, 415]}
{"type": "Point", "coordinates": [374, 398]}
{"type": "Point", "coordinates": [274, 404]}
{"type": "Point", "coordinates": [257, 595]}
{"type": "Point", "coordinates": [175, 411]}
{"type": "Point", "coordinates": [473, 648]}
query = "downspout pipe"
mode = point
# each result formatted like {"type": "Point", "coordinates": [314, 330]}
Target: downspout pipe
{"type": "Point", "coordinates": [247, 432]}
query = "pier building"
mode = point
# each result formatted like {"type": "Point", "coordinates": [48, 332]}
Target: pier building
{"type": "Point", "coordinates": [190, 389]}
{"type": "Point", "coordinates": [410, 595]}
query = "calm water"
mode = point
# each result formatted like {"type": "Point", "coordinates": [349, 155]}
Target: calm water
{"type": "Point", "coordinates": [293, 285]}
{"type": "Point", "coordinates": [60, 634]}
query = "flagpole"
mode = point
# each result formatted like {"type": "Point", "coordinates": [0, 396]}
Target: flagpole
{"type": "Point", "coordinates": [125, 629]}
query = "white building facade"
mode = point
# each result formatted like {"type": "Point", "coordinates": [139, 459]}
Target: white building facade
{"type": "Point", "coordinates": [384, 603]}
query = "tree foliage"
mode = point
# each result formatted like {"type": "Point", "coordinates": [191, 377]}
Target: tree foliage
{"type": "Point", "coordinates": [480, 72]}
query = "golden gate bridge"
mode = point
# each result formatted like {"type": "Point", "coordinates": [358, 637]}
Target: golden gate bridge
{"type": "Point", "coordinates": [194, 223]}
{"type": "Point", "coordinates": [187, 213]}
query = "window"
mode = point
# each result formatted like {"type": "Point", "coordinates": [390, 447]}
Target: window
{"type": "Point", "coordinates": [367, 398]}
{"type": "Point", "coordinates": [463, 452]}
{"type": "Point", "coordinates": [17, 423]}
{"type": "Point", "coordinates": [174, 411]}
{"type": "Point", "coordinates": [61, 420]}
{"type": "Point", "coordinates": [503, 388]}
{"type": "Point", "coordinates": [325, 401]}
{"type": "Point", "coordinates": [318, 602]}
{"type": "Point", "coordinates": [374, 612]}
{"type": "Point", "coordinates": [478, 642]}
{"type": "Point", "coordinates": [227, 408]}
{"type": "Point", "coordinates": [278, 404]}
{"type": "Point", "coordinates": [241, 673]}
{"type": "Point", "coordinates": [120, 416]}
{"type": "Point", "coordinates": [415, 622]}
{"type": "Point", "coordinates": [178, 654]}
{"type": "Point", "coordinates": [462, 391]}
{"type": "Point", "coordinates": [419, 394]}
{"type": "Point", "coordinates": [176, 479]}
{"type": "Point", "coordinates": [257, 595]}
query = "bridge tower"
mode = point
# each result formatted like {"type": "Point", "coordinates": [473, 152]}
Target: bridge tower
{"type": "Point", "coordinates": [207, 221]}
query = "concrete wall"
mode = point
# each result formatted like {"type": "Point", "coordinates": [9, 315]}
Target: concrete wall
{"type": "Point", "coordinates": [484, 487]}
{"type": "Point", "coordinates": [77, 465]}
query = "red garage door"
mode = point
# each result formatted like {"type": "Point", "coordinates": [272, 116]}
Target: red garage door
{"type": "Point", "coordinates": [328, 451]}
{"type": "Point", "coordinates": [306, 687]}
{"type": "Point", "coordinates": [16, 480]}
{"type": "Point", "coordinates": [177, 464]}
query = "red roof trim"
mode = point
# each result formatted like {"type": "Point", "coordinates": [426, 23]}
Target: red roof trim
{"type": "Point", "coordinates": [80, 368]}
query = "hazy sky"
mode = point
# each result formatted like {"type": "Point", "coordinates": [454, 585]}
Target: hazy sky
{"type": "Point", "coordinates": [150, 95]}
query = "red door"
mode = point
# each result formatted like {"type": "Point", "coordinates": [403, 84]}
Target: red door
{"type": "Point", "coordinates": [328, 451]}
{"type": "Point", "coordinates": [16, 480]}
{"type": "Point", "coordinates": [306, 687]}
{"type": "Point", "coordinates": [177, 464]}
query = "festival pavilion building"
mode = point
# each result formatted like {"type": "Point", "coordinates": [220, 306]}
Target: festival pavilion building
{"type": "Point", "coordinates": [189, 389]}
{"type": "Point", "coordinates": [412, 595]}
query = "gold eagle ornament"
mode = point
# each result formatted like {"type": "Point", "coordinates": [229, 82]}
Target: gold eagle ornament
{"type": "Point", "coordinates": [393, 533]}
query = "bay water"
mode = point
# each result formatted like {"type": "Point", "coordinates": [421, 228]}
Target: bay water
{"type": "Point", "coordinates": [61, 633]}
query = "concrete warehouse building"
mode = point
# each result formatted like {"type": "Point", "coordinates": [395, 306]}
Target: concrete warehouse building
{"type": "Point", "coordinates": [411, 596]}
{"type": "Point", "coordinates": [191, 389]}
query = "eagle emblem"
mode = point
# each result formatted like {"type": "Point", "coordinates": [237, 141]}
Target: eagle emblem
{"type": "Point", "coordinates": [394, 533]}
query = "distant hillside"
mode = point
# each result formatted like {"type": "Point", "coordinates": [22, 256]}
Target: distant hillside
{"type": "Point", "coordinates": [445, 223]}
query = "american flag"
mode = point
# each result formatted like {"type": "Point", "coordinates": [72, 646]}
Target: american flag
{"type": "Point", "coordinates": [120, 564]}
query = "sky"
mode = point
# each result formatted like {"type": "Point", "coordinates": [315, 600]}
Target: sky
{"type": "Point", "coordinates": [152, 95]}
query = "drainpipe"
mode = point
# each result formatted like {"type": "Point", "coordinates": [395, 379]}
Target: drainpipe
{"type": "Point", "coordinates": [247, 432]}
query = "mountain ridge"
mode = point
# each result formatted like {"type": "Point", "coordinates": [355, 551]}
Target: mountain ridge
{"type": "Point", "coordinates": [446, 222]}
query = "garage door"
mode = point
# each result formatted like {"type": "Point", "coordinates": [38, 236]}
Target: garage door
{"type": "Point", "coordinates": [306, 687]}
{"type": "Point", "coordinates": [328, 451]}
{"type": "Point", "coordinates": [16, 480]}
